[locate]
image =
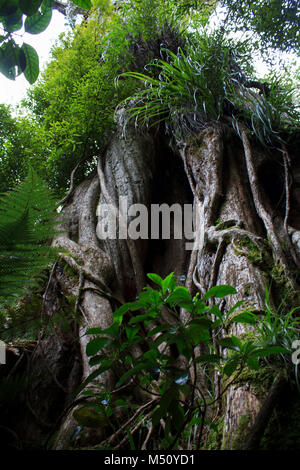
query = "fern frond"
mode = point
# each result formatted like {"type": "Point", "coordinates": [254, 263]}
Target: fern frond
{"type": "Point", "coordinates": [27, 224]}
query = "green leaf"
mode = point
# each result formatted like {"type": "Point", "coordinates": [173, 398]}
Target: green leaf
{"type": "Point", "coordinates": [155, 278]}
{"type": "Point", "coordinates": [158, 329]}
{"type": "Point", "coordinates": [200, 307]}
{"type": "Point", "coordinates": [85, 4]}
{"type": "Point", "coordinates": [177, 414]}
{"type": "Point", "coordinates": [142, 318]}
{"type": "Point", "coordinates": [253, 362]}
{"type": "Point", "coordinates": [246, 318]}
{"type": "Point", "coordinates": [8, 7]}
{"type": "Point", "coordinates": [231, 342]}
{"type": "Point", "coordinates": [38, 22]}
{"type": "Point", "coordinates": [12, 22]}
{"type": "Point", "coordinates": [31, 71]}
{"type": "Point", "coordinates": [198, 333]}
{"type": "Point", "coordinates": [94, 331]}
{"type": "Point", "coordinates": [167, 400]}
{"type": "Point", "coordinates": [95, 360]}
{"type": "Point", "coordinates": [179, 295]}
{"type": "Point", "coordinates": [208, 358]}
{"type": "Point", "coordinates": [105, 366]}
{"type": "Point", "coordinates": [236, 305]}
{"type": "Point", "coordinates": [26, 222]}
{"type": "Point", "coordinates": [269, 351]}
{"type": "Point", "coordinates": [30, 7]}
{"type": "Point", "coordinates": [113, 330]}
{"type": "Point", "coordinates": [10, 59]}
{"type": "Point", "coordinates": [151, 355]}
{"type": "Point", "coordinates": [168, 283]}
{"type": "Point", "coordinates": [95, 345]}
{"type": "Point", "coordinates": [131, 331]}
{"type": "Point", "coordinates": [131, 372]}
{"type": "Point", "coordinates": [120, 312]}
{"type": "Point", "coordinates": [231, 367]}
{"type": "Point", "coordinates": [219, 292]}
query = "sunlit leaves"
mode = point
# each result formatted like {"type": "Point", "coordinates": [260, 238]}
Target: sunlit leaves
{"type": "Point", "coordinates": [187, 91]}
{"type": "Point", "coordinates": [276, 22]}
{"type": "Point", "coordinates": [31, 70]}
{"type": "Point", "coordinates": [38, 22]}
{"type": "Point", "coordinates": [83, 3]}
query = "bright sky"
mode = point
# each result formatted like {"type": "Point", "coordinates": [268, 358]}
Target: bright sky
{"type": "Point", "coordinates": [12, 91]}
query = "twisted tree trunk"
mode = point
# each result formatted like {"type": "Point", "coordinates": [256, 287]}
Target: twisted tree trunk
{"type": "Point", "coordinates": [247, 231]}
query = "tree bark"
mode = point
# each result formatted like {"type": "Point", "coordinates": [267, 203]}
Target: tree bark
{"type": "Point", "coordinates": [221, 175]}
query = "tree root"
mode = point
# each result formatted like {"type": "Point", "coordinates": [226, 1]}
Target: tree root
{"type": "Point", "coordinates": [261, 211]}
{"type": "Point", "coordinates": [134, 255]}
{"type": "Point", "coordinates": [261, 421]}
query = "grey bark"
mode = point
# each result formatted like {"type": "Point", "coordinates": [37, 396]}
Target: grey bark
{"type": "Point", "coordinates": [220, 176]}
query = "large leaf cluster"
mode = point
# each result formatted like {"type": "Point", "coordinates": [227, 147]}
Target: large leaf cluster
{"type": "Point", "coordinates": [34, 16]}
{"type": "Point", "coordinates": [75, 99]}
{"type": "Point", "coordinates": [174, 353]}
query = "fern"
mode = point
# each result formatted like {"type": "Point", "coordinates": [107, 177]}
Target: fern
{"type": "Point", "coordinates": [27, 223]}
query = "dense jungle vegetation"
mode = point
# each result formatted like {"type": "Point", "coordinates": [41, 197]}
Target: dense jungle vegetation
{"type": "Point", "coordinates": [142, 345]}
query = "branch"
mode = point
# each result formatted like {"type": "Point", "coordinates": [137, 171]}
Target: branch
{"type": "Point", "coordinates": [136, 414]}
{"type": "Point", "coordinates": [59, 6]}
{"type": "Point", "coordinates": [67, 197]}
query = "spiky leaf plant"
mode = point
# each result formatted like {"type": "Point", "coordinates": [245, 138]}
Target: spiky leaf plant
{"type": "Point", "coordinates": [212, 80]}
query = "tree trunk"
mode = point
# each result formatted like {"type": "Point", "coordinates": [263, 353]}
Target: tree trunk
{"type": "Point", "coordinates": [247, 232]}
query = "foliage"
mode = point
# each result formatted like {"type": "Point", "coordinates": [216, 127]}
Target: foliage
{"type": "Point", "coordinates": [191, 87]}
{"type": "Point", "coordinates": [270, 114]}
{"type": "Point", "coordinates": [35, 16]}
{"type": "Point", "coordinates": [276, 327]}
{"type": "Point", "coordinates": [173, 355]}
{"type": "Point", "coordinates": [209, 81]}
{"type": "Point", "coordinates": [23, 143]}
{"type": "Point", "coordinates": [26, 225]}
{"type": "Point", "coordinates": [74, 102]}
{"type": "Point", "coordinates": [275, 22]}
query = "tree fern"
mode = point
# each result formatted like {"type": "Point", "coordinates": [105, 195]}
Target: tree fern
{"type": "Point", "coordinates": [26, 226]}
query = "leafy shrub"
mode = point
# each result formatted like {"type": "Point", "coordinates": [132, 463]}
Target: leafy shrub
{"type": "Point", "coordinates": [174, 358]}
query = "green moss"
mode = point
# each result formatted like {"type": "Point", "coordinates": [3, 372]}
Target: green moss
{"type": "Point", "coordinates": [214, 439]}
{"type": "Point", "coordinates": [263, 259]}
{"type": "Point", "coordinates": [239, 437]}
{"type": "Point", "coordinates": [260, 380]}
{"type": "Point", "coordinates": [71, 299]}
